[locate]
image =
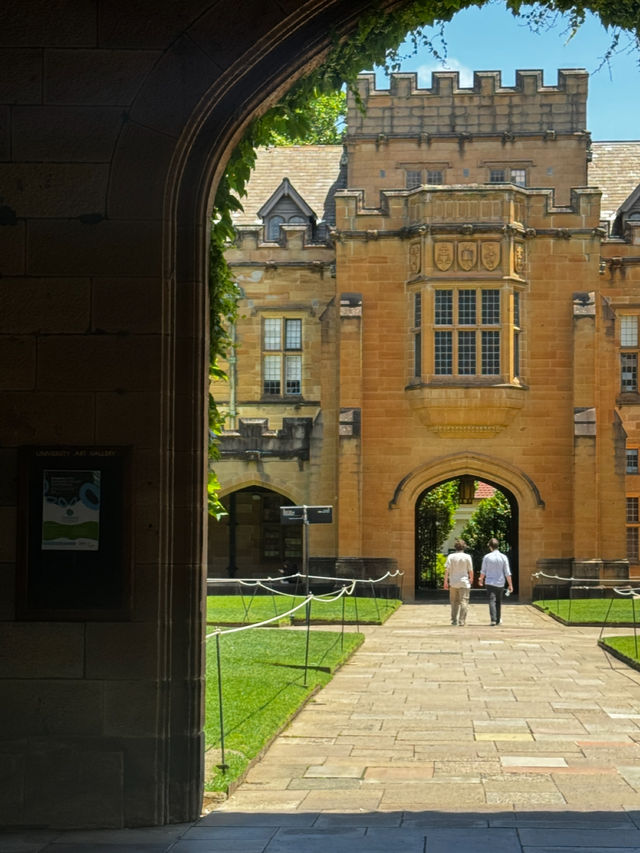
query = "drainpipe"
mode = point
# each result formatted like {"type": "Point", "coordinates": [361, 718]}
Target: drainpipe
{"type": "Point", "coordinates": [233, 380]}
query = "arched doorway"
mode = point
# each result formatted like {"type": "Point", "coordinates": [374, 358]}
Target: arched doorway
{"type": "Point", "coordinates": [469, 507]}
{"type": "Point", "coordinates": [250, 541]}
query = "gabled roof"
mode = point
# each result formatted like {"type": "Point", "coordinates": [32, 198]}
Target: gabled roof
{"type": "Point", "coordinates": [286, 190]}
{"type": "Point", "coordinates": [630, 202]}
{"type": "Point", "coordinates": [615, 169]}
{"type": "Point", "coordinates": [314, 169]}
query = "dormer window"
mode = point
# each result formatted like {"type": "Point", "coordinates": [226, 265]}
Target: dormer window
{"type": "Point", "coordinates": [285, 207]}
{"type": "Point", "coordinates": [273, 228]}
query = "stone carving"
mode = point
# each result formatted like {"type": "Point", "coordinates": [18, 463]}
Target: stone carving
{"type": "Point", "coordinates": [490, 254]}
{"type": "Point", "coordinates": [443, 255]}
{"type": "Point", "coordinates": [415, 257]}
{"type": "Point", "coordinates": [467, 255]}
{"type": "Point", "coordinates": [518, 258]}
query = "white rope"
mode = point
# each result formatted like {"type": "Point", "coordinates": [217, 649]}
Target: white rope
{"type": "Point", "coordinates": [569, 580]}
{"type": "Point", "coordinates": [289, 578]}
{"type": "Point", "coordinates": [259, 624]}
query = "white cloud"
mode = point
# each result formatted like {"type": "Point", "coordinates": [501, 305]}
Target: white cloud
{"type": "Point", "coordinates": [425, 71]}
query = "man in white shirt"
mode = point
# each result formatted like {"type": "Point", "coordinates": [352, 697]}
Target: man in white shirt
{"type": "Point", "coordinates": [458, 577]}
{"type": "Point", "coordinates": [495, 571]}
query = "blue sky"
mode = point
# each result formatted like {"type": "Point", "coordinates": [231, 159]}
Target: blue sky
{"type": "Point", "coordinates": [490, 39]}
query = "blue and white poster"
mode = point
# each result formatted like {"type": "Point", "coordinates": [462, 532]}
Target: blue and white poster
{"type": "Point", "coordinates": [70, 510]}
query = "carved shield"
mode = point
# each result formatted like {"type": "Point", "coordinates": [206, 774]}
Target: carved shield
{"type": "Point", "coordinates": [443, 255]}
{"type": "Point", "coordinates": [490, 254]}
{"type": "Point", "coordinates": [518, 258]}
{"type": "Point", "coordinates": [467, 255]}
{"type": "Point", "coordinates": [415, 257]}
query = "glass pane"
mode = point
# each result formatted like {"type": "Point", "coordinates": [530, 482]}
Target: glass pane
{"type": "Point", "coordinates": [632, 544]}
{"type": "Point", "coordinates": [516, 309]}
{"type": "Point", "coordinates": [417, 354]}
{"type": "Point", "coordinates": [467, 307]}
{"type": "Point", "coordinates": [496, 176]}
{"type": "Point", "coordinates": [417, 310]}
{"type": "Point", "coordinates": [293, 374]}
{"type": "Point", "coordinates": [413, 178]}
{"type": "Point", "coordinates": [519, 177]}
{"type": "Point", "coordinates": [293, 334]}
{"type": "Point", "coordinates": [632, 510]}
{"type": "Point", "coordinates": [516, 354]}
{"type": "Point", "coordinates": [490, 353]}
{"type": "Point", "coordinates": [629, 371]}
{"type": "Point", "coordinates": [632, 461]}
{"type": "Point", "coordinates": [274, 228]}
{"type": "Point", "coordinates": [434, 176]}
{"type": "Point", "coordinates": [443, 308]}
{"type": "Point", "coordinates": [466, 353]}
{"type": "Point", "coordinates": [443, 355]}
{"type": "Point", "coordinates": [490, 307]}
{"type": "Point", "coordinates": [272, 331]}
{"type": "Point", "coordinates": [271, 377]}
{"type": "Point", "coordinates": [629, 331]}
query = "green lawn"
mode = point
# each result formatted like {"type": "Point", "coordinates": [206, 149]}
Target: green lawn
{"type": "Point", "coordinates": [243, 610]}
{"type": "Point", "coordinates": [617, 611]}
{"type": "Point", "coordinates": [262, 687]}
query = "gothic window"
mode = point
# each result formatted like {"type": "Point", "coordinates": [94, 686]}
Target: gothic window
{"type": "Point", "coordinates": [417, 334]}
{"type": "Point", "coordinates": [467, 332]}
{"type": "Point", "coordinates": [633, 530]}
{"type": "Point", "coordinates": [273, 228]}
{"type": "Point", "coordinates": [629, 354]}
{"type": "Point", "coordinates": [282, 356]}
{"type": "Point", "coordinates": [507, 175]}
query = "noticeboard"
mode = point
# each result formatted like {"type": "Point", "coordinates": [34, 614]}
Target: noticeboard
{"type": "Point", "coordinates": [73, 529]}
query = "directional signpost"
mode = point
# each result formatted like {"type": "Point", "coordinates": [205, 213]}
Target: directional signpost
{"type": "Point", "coordinates": [306, 515]}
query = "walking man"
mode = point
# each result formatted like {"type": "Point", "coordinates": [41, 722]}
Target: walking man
{"type": "Point", "coordinates": [495, 571]}
{"type": "Point", "coordinates": [458, 577]}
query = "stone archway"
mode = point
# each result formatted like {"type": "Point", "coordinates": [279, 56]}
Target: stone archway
{"type": "Point", "coordinates": [488, 469]}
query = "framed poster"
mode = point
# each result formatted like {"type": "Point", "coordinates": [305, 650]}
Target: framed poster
{"type": "Point", "coordinates": [74, 559]}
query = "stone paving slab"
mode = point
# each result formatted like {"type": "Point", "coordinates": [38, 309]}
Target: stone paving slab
{"type": "Point", "coordinates": [435, 738]}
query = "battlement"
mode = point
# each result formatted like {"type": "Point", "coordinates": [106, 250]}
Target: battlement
{"type": "Point", "coordinates": [486, 108]}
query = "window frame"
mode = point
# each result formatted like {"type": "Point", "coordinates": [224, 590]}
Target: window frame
{"type": "Point", "coordinates": [288, 356]}
{"type": "Point", "coordinates": [498, 354]}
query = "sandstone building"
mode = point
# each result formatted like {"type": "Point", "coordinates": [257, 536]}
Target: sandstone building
{"type": "Point", "coordinates": [453, 294]}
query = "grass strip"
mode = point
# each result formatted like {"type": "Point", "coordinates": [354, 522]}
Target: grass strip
{"type": "Point", "coordinates": [591, 611]}
{"type": "Point", "coordinates": [262, 689]}
{"type": "Point", "coordinates": [249, 609]}
{"type": "Point", "coordinates": [625, 649]}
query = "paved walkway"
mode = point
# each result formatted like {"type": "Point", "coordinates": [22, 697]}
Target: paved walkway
{"type": "Point", "coordinates": [520, 737]}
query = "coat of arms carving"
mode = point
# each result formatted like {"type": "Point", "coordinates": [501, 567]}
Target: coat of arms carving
{"type": "Point", "coordinates": [443, 255]}
{"type": "Point", "coordinates": [490, 254]}
{"type": "Point", "coordinates": [415, 257]}
{"type": "Point", "coordinates": [518, 258]}
{"type": "Point", "coordinates": [467, 254]}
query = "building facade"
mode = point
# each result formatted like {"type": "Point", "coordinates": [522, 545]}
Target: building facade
{"type": "Point", "coordinates": [445, 297]}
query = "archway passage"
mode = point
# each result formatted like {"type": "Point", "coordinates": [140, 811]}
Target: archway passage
{"type": "Point", "coordinates": [468, 507]}
{"type": "Point", "coordinates": [250, 541]}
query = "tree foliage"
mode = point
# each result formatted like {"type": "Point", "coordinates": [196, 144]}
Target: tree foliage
{"type": "Point", "coordinates": [375, 42]}
{"type": "Point", "coordinates": [491, 519]}
{"type": "Point", "coordinates": [436, 515]}
{"type": "Point", "coordinates": [324, 122]}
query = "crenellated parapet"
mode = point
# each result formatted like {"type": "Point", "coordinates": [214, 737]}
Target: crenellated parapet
{"type": "Point", "coordinates": [486, 108]}
{"type": "Point", "coordinates": [466, 209]}
{"type": "Point", "coordinates": [254, 441]}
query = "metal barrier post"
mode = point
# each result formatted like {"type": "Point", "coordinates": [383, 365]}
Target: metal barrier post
{"type": "Point", "coordinates": [223, 765]}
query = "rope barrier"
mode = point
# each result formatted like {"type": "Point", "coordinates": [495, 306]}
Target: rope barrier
{"type": "Point", "coordinates": [348, 588]}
